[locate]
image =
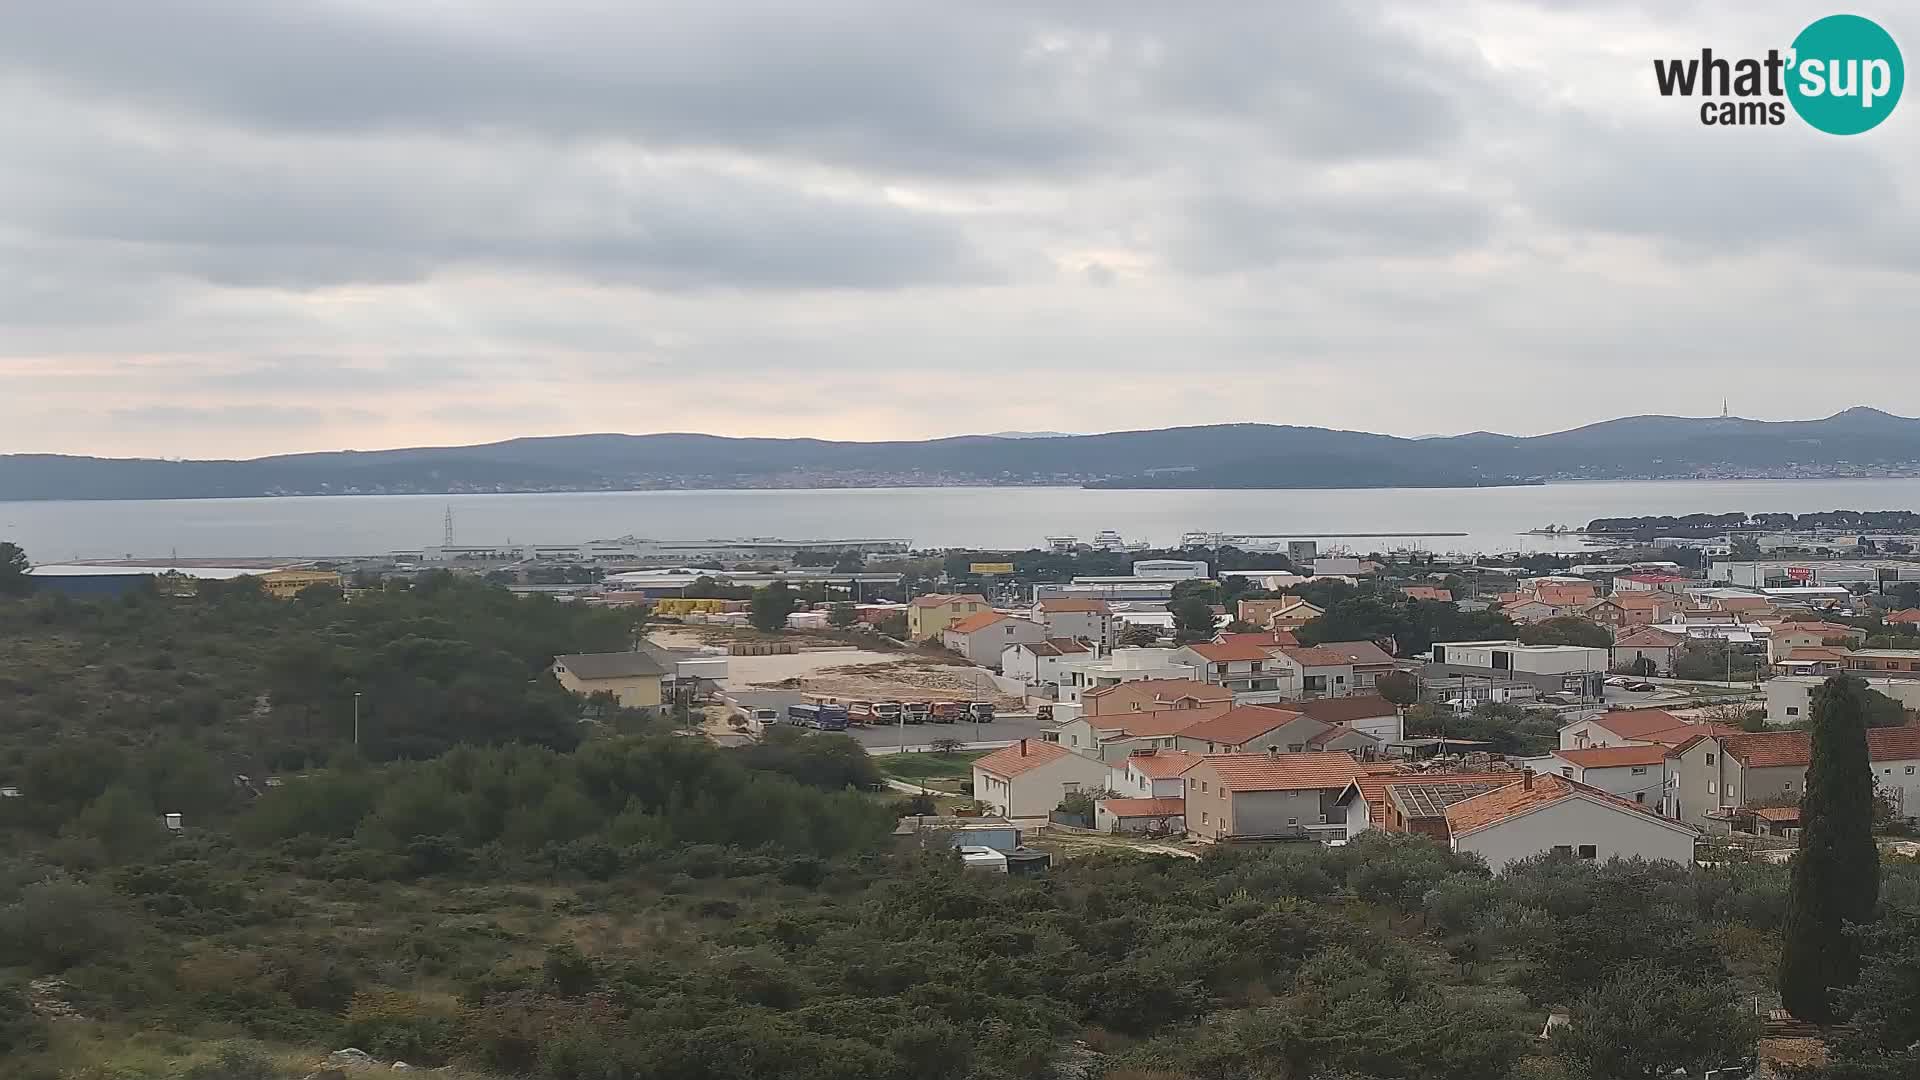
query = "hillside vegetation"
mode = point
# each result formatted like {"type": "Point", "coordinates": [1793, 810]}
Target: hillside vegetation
{"type": "Point", "coordinates": [617, 901]}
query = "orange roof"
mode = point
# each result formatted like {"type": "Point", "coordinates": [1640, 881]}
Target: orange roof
{"type": "Point", "coordinates": [944, 599]}
{"type": "Point", "coordinates": [1161, 764]}
{"type": "Point", "coordinates": [1064, 604]}
{"type": "Point", "coordinates": [1427, 592]}
{"type": "Point", "coordinates": [1148, 724]}
{"type": "Point", "coordinates": [1893, 743]}
{"type": "Point", "coordinates": [1282, 772]}
{"type": "Point", "coordinates": [1322, 656]}
{"type": "Point", "coordinates": [1152, 692]}
{"type": "Point", "coordinates": [1358, 652]}
{"type": "Point", "coordinates": [1641, 599]}
{"type": "Point", "coordinates": [1170, 807]}
{"type": "Point", "coordinates": [1777, 813]}
{"type": "Point", "coordinates": [1236, 726]}
{"type": "Point", "coordinates": [1612, 757]}
{"type": "Point", "coordinates": [1220, 653]}
{"type": "Point", "coordinates": [1560, 595]}
{"type": "Point", "coordinates": [1022, 757]}
{"type": "Point", "coordinates": [1817, 652]}
{"type": "Point", "coordinates": [1742, 603]}
{"type": "Point", "coordinates": [1500, 804]}
{"type": "Point", "coordinates": [1827, 628]}
{"type": "Point", "coordinates": [1905, 615]}
{"type": "Point", "coordinates": [1637, 723]}
{"type": "Point", "coordinates": [1675, 737]}
{"type": "Point", "coordinates": [1266, 640]}
{"type": "Point", "coordinates": [1345, 710]}
{"type": "Point", "coordinates": [973, 623]}
{"type": "Point", "coordinates": [1649, 638]}
{"type": "Point", "coordinates": [1373, 788]}
{"type": "Point", "coordinates": [1787, 749]}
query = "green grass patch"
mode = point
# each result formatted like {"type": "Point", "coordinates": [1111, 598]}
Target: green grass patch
{"type": "Point", "coordinates": [924, 768]}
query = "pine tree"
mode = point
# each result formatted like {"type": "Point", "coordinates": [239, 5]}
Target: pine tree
{"type": "Point", "coordinates": [1836, 876]}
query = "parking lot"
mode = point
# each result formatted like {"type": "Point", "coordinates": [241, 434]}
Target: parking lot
{"type": "Point", "coordinates": [1005, 729]}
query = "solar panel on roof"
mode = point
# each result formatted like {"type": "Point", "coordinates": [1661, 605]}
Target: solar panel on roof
{"type": "Point", "coordinates": [1432, 800]}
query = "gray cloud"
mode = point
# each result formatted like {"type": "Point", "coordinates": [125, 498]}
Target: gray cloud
{"type": "Point", "coordinates": [894, 218]}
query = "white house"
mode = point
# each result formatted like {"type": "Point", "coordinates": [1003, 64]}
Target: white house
{"type": "Point", "coordinates": [1081, 620]}
{"type": "Point", "coordinates": [1370, 714]}
{"type": "Point", "coordinates": [1317, 671]}
{"type": "Point", "coordinates": [1123, 666]}
{"type": "Point", "coordinates": [1554, 814]}
{"type": "Point", "coordinates": [1635, 773]}
{"type": "Point", "coordinates": [1530, 610]}
{"type": "Point", "coordinates": [1790, 697]}
{"type": "Point", "coordinates": [1037, 663]}
{"type": "Point", "coordinates": [1649, 644]}
{"type": "Point", "coordinates": [1029, 778]}
{"type": "Point", "coordinates": [982, 638]}
{"type": "Point", "coordinates": [1151, 774]}
{"type": "Point", "coordinates": [1241, 667]}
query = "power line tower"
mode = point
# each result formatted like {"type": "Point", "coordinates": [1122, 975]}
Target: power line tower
{"type": "Point", "coordinates": [446, 529]}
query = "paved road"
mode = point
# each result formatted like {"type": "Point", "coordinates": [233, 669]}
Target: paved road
{"type": "Point", "coordinates": [1004, 730]}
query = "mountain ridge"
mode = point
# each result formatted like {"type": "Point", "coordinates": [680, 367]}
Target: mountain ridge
{"type": "Point", "coordinates": [1856, 441]}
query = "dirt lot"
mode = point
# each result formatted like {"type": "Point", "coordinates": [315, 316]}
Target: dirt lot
{"type": "Point", "coordinates": [900, 680]}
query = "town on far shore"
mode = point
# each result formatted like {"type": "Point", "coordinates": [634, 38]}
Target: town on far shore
{"type": "Point", "coordinates": [1652, 691]}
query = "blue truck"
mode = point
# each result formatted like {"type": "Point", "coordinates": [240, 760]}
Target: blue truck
{"type": "Point", "coordinates": [818, 717]}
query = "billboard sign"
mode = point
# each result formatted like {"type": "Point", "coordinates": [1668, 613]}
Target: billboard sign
{"type": "Point", "coordinates": [1799, 573]}
{"type": "Point", "coordinates": [991, 568]}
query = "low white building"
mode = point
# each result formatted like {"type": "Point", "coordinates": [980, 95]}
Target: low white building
{"type": "Point", "coordinates": [1554, 814]}
{"type": "Point", "coordinates": [1170, 569]}
{"type": "Point", "coordinates": [1123, 666]}
{"type": "Point", "coordinates": [1635, 773]}
{"type": "Point", "coordinates": [1042, 663]}
{"type": "Point", "coordinates": [1083, 620]}
{"type": "Point", "coordinates": [1790, 697]}
{"type": "Point", "coordinates": [984, 637]}
{"type": "Point", "coordinates": [1029, 778]}
{"type": "Point", "coordinates": [1646, 644]}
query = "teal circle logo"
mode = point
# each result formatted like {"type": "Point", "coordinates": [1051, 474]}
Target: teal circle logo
{"type": "Point", "coordinates": [1847, 75]}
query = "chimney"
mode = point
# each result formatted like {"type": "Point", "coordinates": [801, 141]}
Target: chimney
{"type": "Point", "coordinates": [1273, 751]}
{"type": "Point", "coordinates": [1526, 779]}
{"type": "Point", "coordinates": [1023, 748]}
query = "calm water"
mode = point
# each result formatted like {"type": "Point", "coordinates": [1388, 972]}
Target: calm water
{"type": "Point", "coordinates": [1493, 518]}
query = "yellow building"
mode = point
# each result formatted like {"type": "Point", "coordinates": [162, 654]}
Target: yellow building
{"type": "Point", "coordinates": [286, 584]}
{"type": "Point", "coordinates": [929, 616]}
{"type": "Point", "coordinates": [632, 677]}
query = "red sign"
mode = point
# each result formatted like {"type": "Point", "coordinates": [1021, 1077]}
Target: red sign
{"type": "Point", "coordinates": [1799, 573]}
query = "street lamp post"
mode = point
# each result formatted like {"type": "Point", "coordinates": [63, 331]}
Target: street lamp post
{"type": "Point", "coordinates": [356, 719]}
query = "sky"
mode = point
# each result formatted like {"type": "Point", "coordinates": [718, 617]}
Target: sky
{"type": "Point", "coordinates": [235, 228]}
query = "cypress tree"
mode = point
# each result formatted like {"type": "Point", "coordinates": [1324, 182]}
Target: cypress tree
{"type": "Point", "coordinates": [1836, 876]}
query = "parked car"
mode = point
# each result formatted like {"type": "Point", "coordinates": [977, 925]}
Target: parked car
{"type": "Point", "coordinates": [1641, 687]}
{"type": "Point", "coordinates": [1619, 681]}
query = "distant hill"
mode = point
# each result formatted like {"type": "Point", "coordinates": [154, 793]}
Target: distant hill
{"type": "Point", "coordinates": [1859, 441]}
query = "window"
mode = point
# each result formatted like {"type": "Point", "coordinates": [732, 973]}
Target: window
{"type": "Point", "coordinates": [1909, 770]}
{"type": "Point", "coordinates": [1713, 788]}
{"type": "Point", "coordinates": [1588, 851]}
{"type": "Point", "coordinates": [1637, 770]}
{"type": "Point", "coordinates": [1323, 819]}
{"type": "Point", "coordinates": [1293, 821]}
{"type": "Point", "coordinates": [1203, 817]}
{"type": "Point", "coordinates": [1639, 796]}
{"type": "Point", "coordinates": [1563, 849]}
{"type": "Point", "coordinates": [1566, 771]}
{"type": "Point", "coordinates": [1709, 759]}
{"type": "Point", "coordinates": [1793, 710]}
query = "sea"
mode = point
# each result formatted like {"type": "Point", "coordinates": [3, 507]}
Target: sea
{"type": "Point", "coordinates": [1486, 520]}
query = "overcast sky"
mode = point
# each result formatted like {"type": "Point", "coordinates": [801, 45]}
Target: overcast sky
{"type": "Point", "coordinates": [237, 228]}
